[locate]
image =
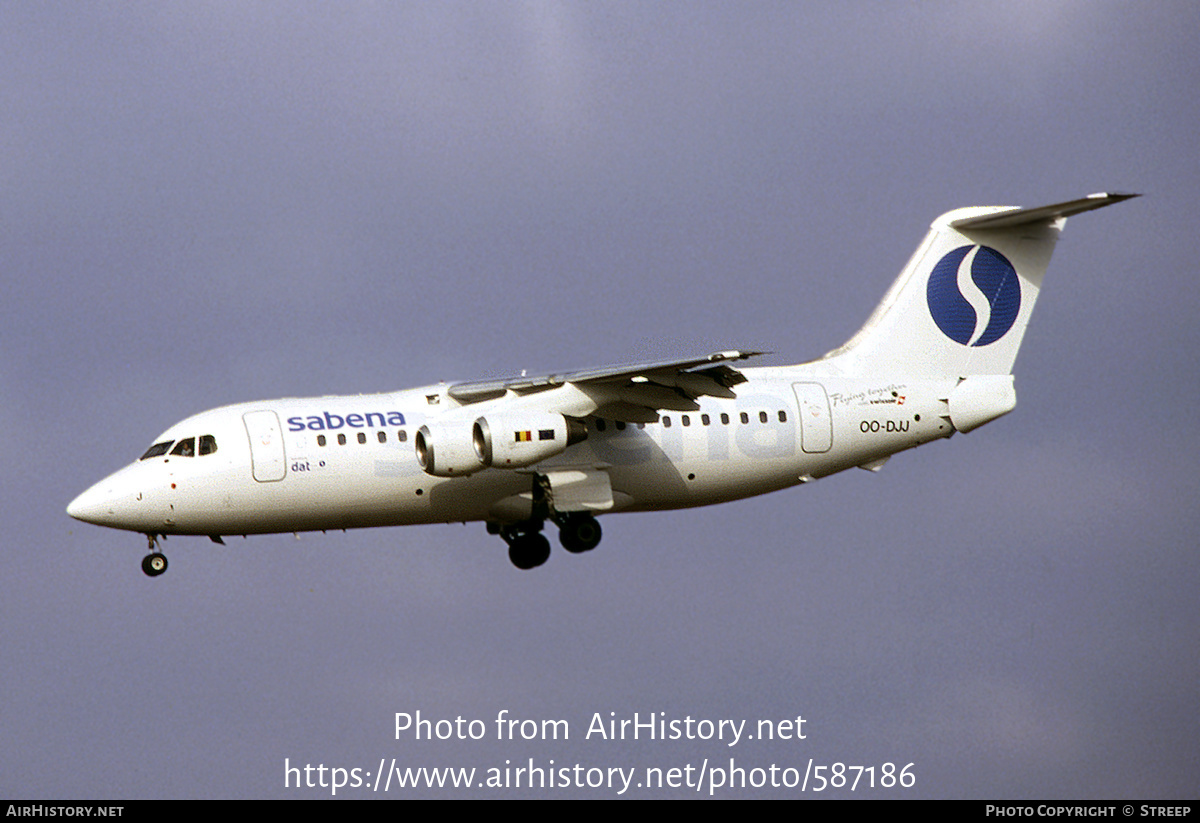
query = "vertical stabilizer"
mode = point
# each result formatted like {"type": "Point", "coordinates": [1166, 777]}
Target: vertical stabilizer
{"type": "Point", "coordinates": [961, 305]}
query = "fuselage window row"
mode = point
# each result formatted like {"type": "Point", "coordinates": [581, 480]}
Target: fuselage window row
{"type": "Point", "coordinates": [208, 444]}
{"type": "Point", "coordinates": [686, 420]}
{"type": "Point", "coordinates": [381, 436]}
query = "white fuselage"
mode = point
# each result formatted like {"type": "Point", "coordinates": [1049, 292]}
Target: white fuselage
{"type": "Point", "coordinates": [341, 462]}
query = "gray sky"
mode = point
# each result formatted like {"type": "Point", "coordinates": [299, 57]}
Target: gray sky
{"type": "Point", "coordinates": [206, 203]}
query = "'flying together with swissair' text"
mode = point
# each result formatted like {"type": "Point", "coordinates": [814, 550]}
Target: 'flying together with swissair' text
{"type": "Point", "coordinates": [934, 358]}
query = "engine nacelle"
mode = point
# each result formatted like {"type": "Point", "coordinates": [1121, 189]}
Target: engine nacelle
{"type": "Point", "coordinates": [513, 441]}
{"type": "Point", "coordinates": [451, 452]}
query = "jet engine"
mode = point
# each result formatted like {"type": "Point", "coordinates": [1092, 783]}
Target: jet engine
{"type": "Point", "coordinates": [501, 441]}
{"type": "Point", "coordinates": [450, 452]}
{"type": "Point", "coordinates": [513, 441]}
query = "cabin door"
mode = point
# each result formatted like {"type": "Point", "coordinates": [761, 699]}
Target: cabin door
{"type": "Point", "coordinates": [266, 446]}
{"type": "Point", "coordinates": [816, 424]}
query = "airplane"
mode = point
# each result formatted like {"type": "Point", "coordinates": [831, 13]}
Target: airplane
{"type": "Point", "coordinates": [935, 358]}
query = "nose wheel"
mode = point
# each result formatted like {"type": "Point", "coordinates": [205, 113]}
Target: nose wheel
{"type": "Point", "coordinates": [154, 563]}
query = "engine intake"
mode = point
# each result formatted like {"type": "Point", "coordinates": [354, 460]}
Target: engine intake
{"type": "Point", "coordinates": [449, 453]}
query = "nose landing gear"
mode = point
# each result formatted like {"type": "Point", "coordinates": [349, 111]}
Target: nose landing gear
{"type": "Point", "coordinates": [154, 563]}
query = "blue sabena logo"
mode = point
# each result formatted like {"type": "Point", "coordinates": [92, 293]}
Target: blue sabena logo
{"type": "Point", "coordinates": [974, 295]}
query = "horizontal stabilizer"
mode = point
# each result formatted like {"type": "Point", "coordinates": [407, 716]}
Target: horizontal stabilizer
{"type": "Point", "coordinates": [1021, 217]}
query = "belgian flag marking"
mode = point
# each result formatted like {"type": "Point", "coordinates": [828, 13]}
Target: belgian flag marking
{"type": "Point", "coordinates": [522, 437]}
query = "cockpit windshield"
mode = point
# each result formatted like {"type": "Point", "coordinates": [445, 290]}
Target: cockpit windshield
{"type": "Point", "coordinates": [157, 449]}
{"type": "Point", "coordinates": [183, 448]}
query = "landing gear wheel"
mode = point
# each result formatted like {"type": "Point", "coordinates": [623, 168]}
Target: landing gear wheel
{"type": "Point", "coordinates": [579, 533]}
{"type": "Point", "coordinates": [528, 551]}
{"type": "Point", "coordinates": [154, 564]}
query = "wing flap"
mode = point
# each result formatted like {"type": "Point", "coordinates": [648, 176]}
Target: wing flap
{"type": "Point", "coordinates": [665, 384]}
{"type": "Point", "coordinates": [627, 412]}
{"type": "Point", "coordinates": [657, 397]}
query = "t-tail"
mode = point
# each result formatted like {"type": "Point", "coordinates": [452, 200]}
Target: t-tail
{"type": "Point", "coordinates": [961, 305]}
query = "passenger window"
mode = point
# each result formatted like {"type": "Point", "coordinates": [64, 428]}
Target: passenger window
{"type": "Point", "coordinates": [362, 437]}
{"type": "Point", "coordinates": [208, 444]}
{"type": "Point", "coordinates": [762, 417]}
{"type": "Point", "coordinates": [382, 437]}
{"type": "Point", "coordinates": [745, 418]}
{"type": "Point", "coordinates": [402, 436]}
{"type": "Point", "coordinates": [705, 419]}
{"type": "Point", "coordinates": [666, 422]}
{"type": "Point", "coordinates": [185, 448]}
{"type": "Point", "coordinates": [724, 419]}
{"type": "Point", "coordinates": [782, 416]}
{"type": "Point", "coordinates": [600, 424]}
{"type": "Point", "coordinates": [341, 439]}
{"type": "Point", "coordinates": [157, 450]}
{"type": "Point", "coordinates": [686, 420]}
{"type": "Point", "coordinates": [320, 440]}
{"type": "Point", "coordinates": [620, 425]}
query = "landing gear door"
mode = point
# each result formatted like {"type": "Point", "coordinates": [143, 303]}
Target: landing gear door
{"type": "Point", "coordinates": [816, 424]}
{"type": "Point", "coordinates": [580, 490]}
{"type": "Point", "coordinates": [266, 445]}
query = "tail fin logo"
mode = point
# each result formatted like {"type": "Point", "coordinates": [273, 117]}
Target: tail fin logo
{"type": "Point", "coordinates": [974, 295]}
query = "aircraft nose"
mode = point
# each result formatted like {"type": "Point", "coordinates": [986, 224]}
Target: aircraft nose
{"type": "Point", "coordinates": [108, 503]}
{"type": "Point", "coordinates": [93, 506]}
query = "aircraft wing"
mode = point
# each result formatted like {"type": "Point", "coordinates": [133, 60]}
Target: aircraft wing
{"type": "Point", "coordinates": [633, 393]}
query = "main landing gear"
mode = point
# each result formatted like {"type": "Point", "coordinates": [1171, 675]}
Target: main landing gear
{"type": "Point", "coordinates": [528, 548]}
{"type": "Point", "coordinates": [154, 563]}
{"type": "Point", "coordinates": [578, 532]}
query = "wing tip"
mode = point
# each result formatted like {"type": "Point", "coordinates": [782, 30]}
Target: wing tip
{"type": "Point", "coordinates": [735, 354]}
{"type": "Point", "coordinates": [1114, 196]}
